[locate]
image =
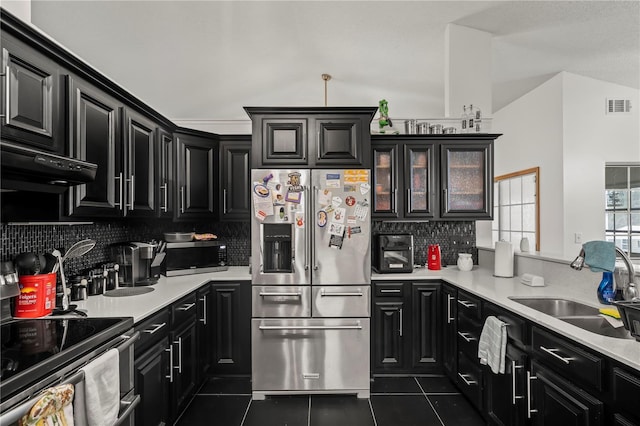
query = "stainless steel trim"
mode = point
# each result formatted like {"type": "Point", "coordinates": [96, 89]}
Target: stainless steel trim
{"type": "Point", "coordinates": [309, 220]}
{"type": "Point", "coordinates": [529, 409]}
{"type": "Point", "coordinates": [552, 351]}
{"type": "Point", "coordinates": [514, 396]}
{"type": "Point", "coordinates": [313, 251]}
{"type": "Point", "coordinates": [131, 401]}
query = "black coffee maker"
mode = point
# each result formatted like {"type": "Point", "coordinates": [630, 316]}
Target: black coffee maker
{"type": "Point", "coordinates": [136, 260]}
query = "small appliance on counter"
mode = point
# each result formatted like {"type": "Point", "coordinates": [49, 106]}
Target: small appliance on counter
{"type": "Point", "coordinates": [393, 253]}
{"type": "Point", "coordinates": [194, 257]}
{"type": "Point", "coordinates": [434, 257]}
{"type": "Point", "coordinates": [136, 261]}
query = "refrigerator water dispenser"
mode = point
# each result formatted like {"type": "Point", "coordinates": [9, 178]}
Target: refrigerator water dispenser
{"type": "Point", "coordinates": [277, 243]}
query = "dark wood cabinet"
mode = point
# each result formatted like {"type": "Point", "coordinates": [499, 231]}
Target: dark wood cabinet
{"type": "Point", "coordinates": [165, 176]}
{"type": "Point", "coordinates": [152, 371]}
{"type": "Point", "coordinates": [206, 328]}
{"type": "Point", "coordinates": [555, 401]}
{"type": "Point", "coordinates": [235, 172]}
{"type": "Point", "coordinates": [183, 353]}
{"type": "Point", "coordinates": [449, 313]}
{"type": "Point", "coordinates": [32, 107]}
{"type": "Point", "coordinates": [196, 176]}
{"type": "Point", "coordinates": [466, 180]}
{"type": "Point", "coordinates": [405, 336]}
{"type": "Point", "coordinates": [232, 323]}
{"type": "Point", "coordinates": [138, 183]}
{"type": "Point", "coordinates": [308, 137]}
{"type": "Point", "coordinates": [94, 136]}
{"type": "Point", "coordinates": [505, 394]}
{"type": "Point", "coordinates": [418, 177]}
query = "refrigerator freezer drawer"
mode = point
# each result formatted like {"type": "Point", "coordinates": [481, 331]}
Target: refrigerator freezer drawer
{"type": "Point", "coordinates": [310, 355]}
{"type": "Point", "coordinates": [341, 301]}
{"type": "Point", "coordinates": [280, 301]}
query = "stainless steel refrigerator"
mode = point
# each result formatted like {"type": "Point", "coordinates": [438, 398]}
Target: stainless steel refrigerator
{"type": "Point", "coordinates": [311, 277]}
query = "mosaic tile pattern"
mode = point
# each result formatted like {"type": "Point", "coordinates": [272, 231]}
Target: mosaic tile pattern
{"type": "Point", "coordinates": [453, 237]}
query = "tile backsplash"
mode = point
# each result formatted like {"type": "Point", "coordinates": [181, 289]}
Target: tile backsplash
{"type": "Point", "coordinates": [453, 237]}
{"type": "Point", "coordinates": [44, 238]}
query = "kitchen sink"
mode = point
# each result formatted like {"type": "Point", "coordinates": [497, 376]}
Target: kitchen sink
{"type": "Point", "coordinates": [584, 316]}
{"type": "Point", "coordinates": [557, 307]}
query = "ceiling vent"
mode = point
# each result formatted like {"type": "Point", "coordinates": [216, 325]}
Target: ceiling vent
{"type": "Point", "coordinates": [618, 106]}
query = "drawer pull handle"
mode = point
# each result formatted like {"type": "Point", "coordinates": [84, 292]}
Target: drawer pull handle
{"type": "Point", "coordinates": [553, 352]}
{"type": "Point", "coordinates": [529, 409]}
{"type": "Point", "coordinates": [384, 290]}
{"type": "Point", "coordinates": [282, 293]}
{"type": "Point", "coordinates": [310, 327]}
{"type": "Point", "coordinates": [314, 376]}
{"type": "Point", "coordinates": [466, 336]}
{"type": "Point", "coordinates": [466, 303]}
{"type": "Point", "coordinates": [467, 381]}
{"type": "Point", "coordinates": [170, 350]}
{"type": "Point", "coordinates": [323, 293]}
{"type": "Point", "coordinates": [155, 328]}
{"type": "Point", "coordinates": [514, 396]}
{"type": "Point", "coordinates": [186, 306]}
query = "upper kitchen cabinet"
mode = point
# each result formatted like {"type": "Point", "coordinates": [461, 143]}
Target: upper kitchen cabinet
{"type": "Point", "coordinates": [196, 175]}
{"type": "Point", "coordinates": [138, 181]}
{"type": "Point", "coordinates": [467, 179]}
{"type": "Point", "coordinates": [32, 104]}
{"type": "Point", "coordinates": [95, 136]}
{"type": "Point", "coordinates": [418, 177]}
{"type": "Point", "coordinates": [309, 137]}
{"type": "Point", "coordinates": [165, 175]}
{"type": "Point", "coordinates": [235, 171]}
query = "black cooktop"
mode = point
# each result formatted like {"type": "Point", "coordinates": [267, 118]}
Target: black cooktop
{"type": "Point", "coordinates": [35, 348]}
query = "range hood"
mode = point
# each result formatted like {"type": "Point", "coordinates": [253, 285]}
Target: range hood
{"type": "Point", "coordinates": [28, 169]}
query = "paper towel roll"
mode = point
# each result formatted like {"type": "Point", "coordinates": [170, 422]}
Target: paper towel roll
{"type": "Point", "coordinates": [503, 266]}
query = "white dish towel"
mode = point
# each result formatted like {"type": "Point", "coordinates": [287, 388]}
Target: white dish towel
{"type": "Point", "coordinates": [98, 398]}
{"type": "Point", "coordinates": [492, 346]}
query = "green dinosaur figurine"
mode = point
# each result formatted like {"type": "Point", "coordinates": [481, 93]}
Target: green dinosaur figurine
{"type": "Point", "coordinates": [384, 119]}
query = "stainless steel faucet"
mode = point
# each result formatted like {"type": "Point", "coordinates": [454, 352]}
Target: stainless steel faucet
{"type": "Point", "coordinates": [629, 290]}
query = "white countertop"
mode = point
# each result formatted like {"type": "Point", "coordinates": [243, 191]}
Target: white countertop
{"type": "Point", "coordinates": [479, 281]}
{"type": "Point", "coordinates": [164, 293]}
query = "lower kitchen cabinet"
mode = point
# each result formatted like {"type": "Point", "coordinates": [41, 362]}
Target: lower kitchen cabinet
{"type": "Point", "coordinates": [555, 401]}
{"type": "Point", "coordinates": [449, 327]}
{"type": "Point", "coordinates": [183, 343]}
{"type": "Point", "coordinates": [205, 330]}
{"type": "Point", "coordinates": [152, 382]}
{"type": "Point", "coordinates": [505, 403]}
{"type": "Point", "coordinates": [231, 316]}
{"type": "Point", "coordinates": [405, 327]}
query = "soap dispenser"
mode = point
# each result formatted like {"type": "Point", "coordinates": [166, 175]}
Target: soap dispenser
{"type": "Point", "coordinates": [606, 293]}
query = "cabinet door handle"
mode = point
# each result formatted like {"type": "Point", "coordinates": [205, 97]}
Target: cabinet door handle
{"type": "Point", "coordinates": [446, 200]}
{"type": "Point", "coordinates": [390, 290]}
{"type": "Point", "coordinates": [400, 322]}
{"type": "Point", "coordinates": [450, 319]}
{"type": "Point", "coordinates": [514, 396]}
{"type": "Point", "coordinates": [467, 381]}
{"type": "Point", "coordinates": [529, 409]}
{"type": "Point", "coordinates": [155, 328]}
{"type": "Point", "coordinates": [132, 192]}
{"type": "Point", "coordinates": [186, 306]}
{"type": "Point", "coordinates": [466, 303]}
{"type": "Point", "coordinates": [409, 207]}
{"type": "Point", "coordinates": [165, 196]}
{"type": "Point", "coordinates": [224, 201]}
{"type": "Point", "coordinates": [182, 199]}
{"type": "Point", "coordinates": [466, 336]}
{"type": "Point", "coordinates": [170, 350]}
{"type": "Point", "coordinates": [179, 366]}
{"type": "Point", "coordinates": [553, 352]}
{"type": "Point", "coordinates": [121, 189]}
{"type": "Point", "coordinates": [203, 299]}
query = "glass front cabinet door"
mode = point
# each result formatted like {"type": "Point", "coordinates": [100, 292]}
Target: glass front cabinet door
{"type": "Point", "coordinates": [385, 180]}
{"type": "Point", "coordinates": [419, 180]}
{"type": "Point", "coordinates": [466, 173]}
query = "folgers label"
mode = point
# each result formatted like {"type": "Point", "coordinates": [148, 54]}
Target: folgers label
{"type": "Point", "coordinates": [37, 296]}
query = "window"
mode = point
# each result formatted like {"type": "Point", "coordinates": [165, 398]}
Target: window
{"type": "Point", "coordinates": [516, 210]}
{"type": "Point", "coordinates": [622, 211]}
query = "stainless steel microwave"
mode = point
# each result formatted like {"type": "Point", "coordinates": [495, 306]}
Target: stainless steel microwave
{"type": "Point", "coordinates": [195, 257]}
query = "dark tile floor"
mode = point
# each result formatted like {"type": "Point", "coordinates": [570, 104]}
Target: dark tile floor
{"type": "Point", "coordinates": [395, 401]}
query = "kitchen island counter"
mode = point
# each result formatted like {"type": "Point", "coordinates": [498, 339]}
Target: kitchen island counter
{"type": "Point", "coordinates": [481, 282]}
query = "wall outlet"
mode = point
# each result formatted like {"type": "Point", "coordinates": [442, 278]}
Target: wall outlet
{"type": "Point", "coordinates": [577, 238]}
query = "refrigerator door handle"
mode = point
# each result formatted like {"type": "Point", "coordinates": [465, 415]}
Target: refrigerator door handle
{"type": "Point", "coordinates": [312, 208]}
{"type": "Point", "coordinates": [306, 230]}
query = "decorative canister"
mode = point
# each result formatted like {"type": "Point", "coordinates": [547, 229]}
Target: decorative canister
{"type": "Point", "coordinates": [465, 262]}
